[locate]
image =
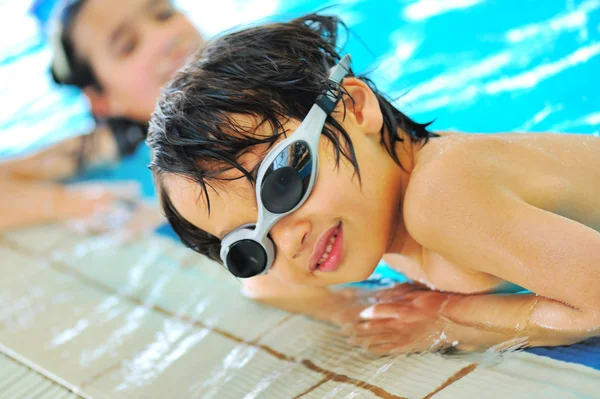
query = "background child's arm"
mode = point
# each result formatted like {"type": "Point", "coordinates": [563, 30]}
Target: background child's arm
{"type": "Point", "coordinates": [61, 160]}
{"type": "Point", "coordinates": [25, 203]}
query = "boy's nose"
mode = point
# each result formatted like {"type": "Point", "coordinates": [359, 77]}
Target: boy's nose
{"type": "Point", "coordinates": [290, 236]}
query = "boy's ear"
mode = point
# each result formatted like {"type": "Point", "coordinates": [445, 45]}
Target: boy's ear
{"type": "Point", "coordinates": [363, 105]}
{"type": "Point", "coordinates": [99, 102]}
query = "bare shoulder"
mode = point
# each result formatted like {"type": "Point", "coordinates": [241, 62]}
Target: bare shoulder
{"type": "Point", "coordinates": [463, 181]}
{"type": "Point", "coordinates": [452, 164]}
{"type": "Point", "coordinates": [451, 173]}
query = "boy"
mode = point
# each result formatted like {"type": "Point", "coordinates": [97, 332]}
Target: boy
{"type": "Point", "coordinates": [235, 158]}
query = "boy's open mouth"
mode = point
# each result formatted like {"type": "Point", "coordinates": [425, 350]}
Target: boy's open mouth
{"type": "Point", "coordinates": [328, 250]}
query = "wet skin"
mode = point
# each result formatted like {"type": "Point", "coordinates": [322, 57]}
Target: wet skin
{"type": "Point", "coordinates": [468, 214]}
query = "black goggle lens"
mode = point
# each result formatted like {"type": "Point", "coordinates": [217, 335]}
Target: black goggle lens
{"type": "Point", "coordinates": [282, 190]}
{"type": "Point", "coordinates": [287, 179]}
{"type": "Point", "coordinates": [246, 258]}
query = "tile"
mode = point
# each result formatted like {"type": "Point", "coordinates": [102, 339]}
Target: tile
{"type": "Point", "coordinates": [205, 365]}
{"type": "Point", "coordinates": [337, 390]}
{"type": "Point", "coordinates": [215, 303]}
{"type": "Point", "coordinates": [126, 267]}
{"type": "Point", "coordinates": [411, 376]}
{"type": "Point", "coordinates": [129, 266]}
{"type": "Point", "coordinates": [10, 374]}
{"type": "Point", "coordinates": [257, 374]}
{"type": "Point", "coordinates": [71, 329]}
{"type": "Point", "coordinates": [19, 381]}
{"type": "Point", "coordinates": [28, 386]}
{"type": "Point", "coordinates": [27, 291]}
{"type": "Point", "coordinates": [57, 392]}
{"type": "Point", "coordinates": [15, 265]}
{"type": "Point", "coordinates": [527, 376]}
{"type": "Point", "coordinates": [38, 239]}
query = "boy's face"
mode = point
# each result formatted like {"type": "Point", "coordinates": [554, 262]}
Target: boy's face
{"type": "Point", "coordinates": [134, 47]}
{"type": "Point", "coordinates": [367, 212]}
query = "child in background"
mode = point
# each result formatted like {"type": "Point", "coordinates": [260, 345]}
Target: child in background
{"type": "Point", "coordinates": [119, 53]}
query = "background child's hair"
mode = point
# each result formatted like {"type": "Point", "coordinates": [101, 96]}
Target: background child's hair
{"type": "Point", "coordinates": [272, 73]}
{"type": "Point", "coordinates": [68, 67]}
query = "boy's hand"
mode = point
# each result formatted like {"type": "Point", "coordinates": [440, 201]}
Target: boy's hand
{"type": "Point", "coordinates": [411, 320]}
{"type": "Point", "coordinates": [402, 319]}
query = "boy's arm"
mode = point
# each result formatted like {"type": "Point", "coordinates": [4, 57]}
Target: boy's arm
{"type": "Point", "coordinates": [484, 227]}
{"type": "Point", "coordinates": [62, 160]}
{"type": "Point", "coordinates": [541, 321]}
{"type": "Point", "coordinates": [431, 320]}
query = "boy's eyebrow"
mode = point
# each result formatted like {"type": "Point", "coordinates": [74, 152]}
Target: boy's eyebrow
{"type": "Point", "coordinates": [116, 34]}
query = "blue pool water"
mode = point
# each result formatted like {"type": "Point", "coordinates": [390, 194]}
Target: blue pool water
{"type": "Point", "coordinates": [472, 65]}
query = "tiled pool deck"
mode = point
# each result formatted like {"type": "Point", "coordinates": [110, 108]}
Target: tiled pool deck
{"type": "Point", "coordinates": [82, 316]}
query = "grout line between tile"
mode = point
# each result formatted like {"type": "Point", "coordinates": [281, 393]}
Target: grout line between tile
{"type": "Point", "coordinates": [455, 377]}
{"type": "Point", "coordinates": [59, 266]}
{"type": "Point", "coordinates": [89, 381]}
{"type": "Point", "coordinates": [274, 326]}
{"type": "Point", "coordinates": [377, 390]}
{"type": "Point", "coordinates": [311, 389]}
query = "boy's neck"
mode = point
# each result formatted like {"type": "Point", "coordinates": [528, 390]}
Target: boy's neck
{"type": "Point", "coordinates": [407, 151]}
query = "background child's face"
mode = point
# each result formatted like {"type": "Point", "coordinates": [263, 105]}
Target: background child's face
{"type": "Point", "coordinates": [368, 214]}
{"type": "Point", "coordinates": [134, 47]}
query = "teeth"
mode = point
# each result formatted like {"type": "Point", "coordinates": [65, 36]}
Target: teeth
{"type": "Point", "coordinates": [328, 248]}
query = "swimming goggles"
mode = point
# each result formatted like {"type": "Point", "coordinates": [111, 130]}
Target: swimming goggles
{"type": "Point", "coordinates": [284, 181]}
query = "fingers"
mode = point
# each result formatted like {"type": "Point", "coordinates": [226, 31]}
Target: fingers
{"type": "Point", "coordinates": [378, 326]}
{"type": "Point", "coordinates": [348, 315]}
{"type": "Point", "coordinates": [370, 327]}
{"type": "Point", "coordinates": [374, 340]}
{"type": "Point", "coordinates": [390, 311]}
{"type": "Point", "coordinates": [394, 348]}
{"type": "Point", "coordinates": [392, 343]}
{"type": "Point", "coordinates": [395, 310]}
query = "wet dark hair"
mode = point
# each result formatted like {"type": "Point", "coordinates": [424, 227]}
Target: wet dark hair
{"type": "Point", "coordinates": [272, 73]}
{"type": "Point", "coordinates": [75, 71]}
